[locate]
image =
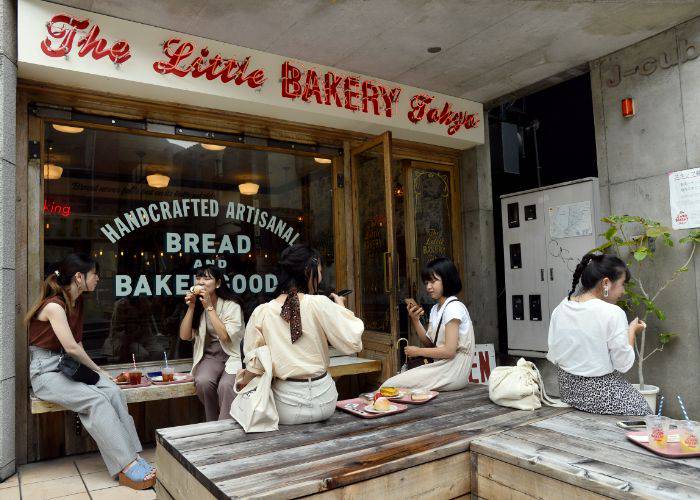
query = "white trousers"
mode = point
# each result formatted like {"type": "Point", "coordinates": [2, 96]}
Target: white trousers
{"type": "Point", "coordinates": [304, 402]}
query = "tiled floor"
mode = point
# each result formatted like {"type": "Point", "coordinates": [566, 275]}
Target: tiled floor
{"type": "Point", "coordinates": [71, 478]}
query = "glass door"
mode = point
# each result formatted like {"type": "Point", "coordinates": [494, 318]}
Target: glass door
{"type": "Point", "coordinates": [431, 224]}
{"type": "Point", "coordinates": [375, 250]}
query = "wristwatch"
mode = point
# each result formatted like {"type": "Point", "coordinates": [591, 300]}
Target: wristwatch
{"type": "Point", "coordinates": [210, 308]}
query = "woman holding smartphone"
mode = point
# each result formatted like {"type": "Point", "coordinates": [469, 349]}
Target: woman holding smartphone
{"type": "Point", "coordinates": [449, 339]}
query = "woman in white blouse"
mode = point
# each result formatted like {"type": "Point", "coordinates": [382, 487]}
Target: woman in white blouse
{"type": "Point", "coordinates": [591, 342]}
{"type": "Point", "coordinates": [297, 327]}
{"type": "Point", "coordinates": [449, 339]}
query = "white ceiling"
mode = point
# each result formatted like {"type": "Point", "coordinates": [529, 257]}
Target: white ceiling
{"type": "Point", "coordinates": [490, 48]}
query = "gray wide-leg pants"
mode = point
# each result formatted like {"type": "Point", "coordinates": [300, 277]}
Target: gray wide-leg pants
{"type": "Point", "coordinates": [101, 408]}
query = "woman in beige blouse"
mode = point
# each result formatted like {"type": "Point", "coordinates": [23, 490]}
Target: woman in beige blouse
{"type": "Point", "coordinates": [215, 321]}
{"type": "Point", "coordinates": [297, 327]}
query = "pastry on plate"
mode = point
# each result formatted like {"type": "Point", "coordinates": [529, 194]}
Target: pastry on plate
{"type": "Point", "coordinates": [389, 392]}
{"type": "Point", "coordinates": [420, 396]}
{"type": "Point", "coordinates": [382, 404]}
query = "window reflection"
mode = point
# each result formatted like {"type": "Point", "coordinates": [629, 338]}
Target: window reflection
{"type": "Point", "coordinates": [117, 197]}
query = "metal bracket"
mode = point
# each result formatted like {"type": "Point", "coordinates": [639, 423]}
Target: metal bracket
{"type": "Point", "coordinates": [34, 150]}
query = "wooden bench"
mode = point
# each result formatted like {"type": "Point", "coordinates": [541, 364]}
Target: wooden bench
{"type": "Point", "coordinates": [340, 366]}
{"type": "Point", "coordinates": [421, 453]}
{"type": "Point", "coordinates": [576, 455]}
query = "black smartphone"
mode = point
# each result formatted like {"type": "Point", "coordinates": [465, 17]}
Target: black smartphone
{"type": "Point", "coordinates": [631, 424]}
{"type": "Point", "coordinates": [343, 293]}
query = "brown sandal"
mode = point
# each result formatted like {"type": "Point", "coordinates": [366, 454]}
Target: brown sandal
{"type": "Point", "coordinates": [135, 477]}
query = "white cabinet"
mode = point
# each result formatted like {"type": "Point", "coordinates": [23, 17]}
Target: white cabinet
{"type": "Point", "coordinates": [545, 233]}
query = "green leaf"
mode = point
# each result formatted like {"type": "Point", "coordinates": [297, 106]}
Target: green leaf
{"type": "Point", "coordinates": [612, 231]}
{"type": "Point", "coordinates": [666, 337]}
{"type": "Point", "coordinates": [641, 253]}
{"type": "Point", "coordinates": [654, 232]}
{"type": "Point", "coordinates": [683, 269]}
{"type": "Point", "coordinates": [602, 247]}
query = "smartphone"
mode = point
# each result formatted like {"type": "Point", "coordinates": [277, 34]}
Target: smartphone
{"type": "Point", "coordinates": [343, 293]}
{"type": "Point", "coordinates": [632, 424]}
{"type": "Point", "coordinates": [410, 302]}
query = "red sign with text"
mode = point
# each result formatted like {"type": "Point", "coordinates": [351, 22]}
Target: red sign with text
{"type": "Point", "coordinates": [63, 30]}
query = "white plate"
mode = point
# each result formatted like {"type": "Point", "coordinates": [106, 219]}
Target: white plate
{"type": "Point", "coordinates": [370, 409]}
{"type": "Point", "coordinates": [159, 378]}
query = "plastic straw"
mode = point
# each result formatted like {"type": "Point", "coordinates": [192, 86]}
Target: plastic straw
{"type": "Point", "coordinates": [680, 401]}
{"type": "Point", "coordinates": [133, 357]}
{"type": "Point", "coordinates": [661, 404]}
{"type": "Point", "coordinates": [165, 355]}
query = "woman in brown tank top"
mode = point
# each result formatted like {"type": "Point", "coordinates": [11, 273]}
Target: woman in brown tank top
{"type": "Point", "coordinates": [55, 325]}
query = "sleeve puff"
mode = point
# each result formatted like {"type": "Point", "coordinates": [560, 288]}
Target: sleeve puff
{"type": "Point", "coordinates": [340, 325]}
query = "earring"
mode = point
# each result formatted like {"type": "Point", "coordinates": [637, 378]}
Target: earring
{"type": "Point", "coordinates": [605, 291]}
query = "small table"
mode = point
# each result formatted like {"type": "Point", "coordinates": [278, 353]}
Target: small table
{"type": "Point", "coordinates": [576, 455]}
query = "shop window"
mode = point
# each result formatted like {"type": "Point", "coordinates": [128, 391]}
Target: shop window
{"type": "Point", "coordinates": [152, 209]}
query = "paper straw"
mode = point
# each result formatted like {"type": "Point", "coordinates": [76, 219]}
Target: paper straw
{"type": "Point", "coordinates": [165, 355]}
{"type": "Point", "coordinates": [133, 357]}
{"type": "Point", "coordinates": [680, 401]}
{"type": "Point", "coordinates": [661, 404]}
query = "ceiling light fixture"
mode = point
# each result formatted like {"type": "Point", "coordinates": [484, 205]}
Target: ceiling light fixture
{"type": "Point", "coordinates": [323, 161]}
{"type": "Point", "coordinates": [212, 147]}
{"type": "Point", "coordinates": [67, 128]}
{"type": "Point", "coordinates": [52, 172]}
{"type": "Point", "coordinates": [158, 180]}
{"type": "Point", "coordinates": [248, 188]}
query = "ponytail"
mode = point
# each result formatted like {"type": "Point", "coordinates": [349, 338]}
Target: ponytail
{"type": "Point", "coordinates": [58, 281]}
{"type": "Point", "coordinates": [594, 268]}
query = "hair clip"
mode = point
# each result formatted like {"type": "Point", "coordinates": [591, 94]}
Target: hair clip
{"type": "Point", "coordinates": [57, 273]}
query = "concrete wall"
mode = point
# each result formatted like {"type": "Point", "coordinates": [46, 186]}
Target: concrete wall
{"type": "Point", "coordinates": [8, 85]}
{"type": "Point", "coordinates": [634, 157]}
{"type": "Point", "coordinates": [478, 242]}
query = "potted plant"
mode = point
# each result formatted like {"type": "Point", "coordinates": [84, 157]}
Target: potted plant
{"type": "Point", "coordinates": [635, 240]}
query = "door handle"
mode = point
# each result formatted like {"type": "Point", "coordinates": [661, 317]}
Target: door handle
{"type": "Point", "coordinates": [386, 261]}
{"type": "Point", "coordinates": [551, 274]}
{"type": "Point", "coordinates": [542, 274]}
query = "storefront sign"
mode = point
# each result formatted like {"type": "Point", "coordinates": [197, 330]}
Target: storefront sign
{"type": "Point", "coordinates": [685, 198]}
{"type": "Point", "coordinates": [483, 362]}
{"type": "Point", "coordinates": [153, 63]}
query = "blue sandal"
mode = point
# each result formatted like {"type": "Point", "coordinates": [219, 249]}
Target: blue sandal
{"type": "Point", "coordinates": [135, 476]}
{"type": "Point", "coordinates": [143, 462]}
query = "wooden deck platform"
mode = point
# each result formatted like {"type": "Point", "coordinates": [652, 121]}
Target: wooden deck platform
{"type": "Point", "coordinates": [576, 455]}
{"type": "Point", "coordinates": [423, 452]}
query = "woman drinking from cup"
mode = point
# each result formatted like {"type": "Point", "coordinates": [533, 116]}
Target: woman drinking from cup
{"type": "Point", "coordinates": [297, 327]}
{"type": "Point", "coordinates": [55, 331]}
{"type": "Point", "coordinates": [214, 320]}
{"type": "Point", "coordinates": [591, 342]}
{"type": "Point", "coordinates": [449, 340]}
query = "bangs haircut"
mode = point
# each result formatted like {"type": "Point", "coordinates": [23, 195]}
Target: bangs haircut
{"type": "Point", "coordinates": [444, 269]}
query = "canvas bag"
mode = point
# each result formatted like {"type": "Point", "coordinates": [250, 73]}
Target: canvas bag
{"type": "Point", "coordinates": [520, 387]}
{"type": "Point", "coordinates": [254, 407]}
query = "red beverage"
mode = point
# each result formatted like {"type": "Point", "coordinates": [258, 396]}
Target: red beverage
{"type": "Point", "coordinates": [134, 378]}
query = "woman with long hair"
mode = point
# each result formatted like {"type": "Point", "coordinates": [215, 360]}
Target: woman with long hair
{"type": "Point", "coordinates": [591, 342]}
{"type": "Point", "coordinates": [297, 326]}
{"type": "Point", "coordinates": [449, 339]}
{"type": "Point", "coordinates": [55, 327]}
{"type": "Point", "coordinates": [214, 320]}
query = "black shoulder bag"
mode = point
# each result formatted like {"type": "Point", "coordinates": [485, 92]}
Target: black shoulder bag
{"type": "Point", "coordinates": [75, 370]}
{"type": "Point", "coordinates": [423, 360]}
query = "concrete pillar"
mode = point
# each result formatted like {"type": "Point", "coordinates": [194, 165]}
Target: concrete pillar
{"type": "Point", "coordinates": [634, 158]}
{"type": "Point", "coordinates": [8, 91]}
{"type": "Point", "coordinates": [478, 241]}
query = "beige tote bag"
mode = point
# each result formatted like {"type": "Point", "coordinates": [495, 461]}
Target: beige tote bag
{"type": "Point", "coordinates": [254, 407]}
{"type": "Point", "coordinates": [520, 387]}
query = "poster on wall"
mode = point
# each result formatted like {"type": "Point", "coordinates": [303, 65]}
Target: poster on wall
{"type": "Point", "coordinates": [684, 187]}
